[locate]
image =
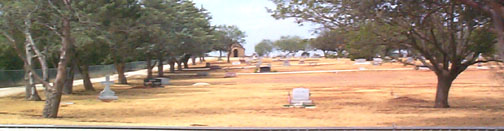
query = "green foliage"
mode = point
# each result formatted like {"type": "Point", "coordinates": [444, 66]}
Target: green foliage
{"type": "Point", "coordinates": [330, 40]}
{"type": "Point", "coordinates": [291, 44]}
{"type": "Point", "coordinates": [264, 47]}
{"type": "Point", "coordinates": [483, 41]}
{"type": "Point", "coordinates": [226, 35]}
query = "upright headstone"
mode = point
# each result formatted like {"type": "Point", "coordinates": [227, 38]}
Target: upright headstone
{"type": "Point", "coordinates": [164, 81]}
{"type": "Point", "coordinates": [377, 61]}
{"type": "Point", "coordinates": [236, 63]}
{"type": "Point", "coordinates": [300, 97]}
{"type": "Point", "coordinates": [107, 94]}
{"type": "Point", "coordinates": [264, 69]}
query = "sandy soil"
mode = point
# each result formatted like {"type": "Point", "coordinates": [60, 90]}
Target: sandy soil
{"type": "Point", "coordinates": [363, 98]}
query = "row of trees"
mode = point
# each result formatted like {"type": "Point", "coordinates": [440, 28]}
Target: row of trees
{"type": "Point", "coordinates": [448, 34]}
{"type": "Point", "coordinates": [289, 44]}
{"type": "Point", "coordinates": [72, 35]}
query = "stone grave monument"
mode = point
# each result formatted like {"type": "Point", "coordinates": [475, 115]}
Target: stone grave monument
{"type": "Point", "coordinates": [300, 97]}
{"type": "Point", "coordinates": [202, 74]}
{"type": "Point", "coordinates": [107, 94]}
{"type": "Point", "coordinates": [377, 61]}
{"type": "Point", "coordinates": [164, 81]}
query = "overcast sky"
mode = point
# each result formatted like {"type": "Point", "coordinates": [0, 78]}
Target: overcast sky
{"type": "Point", "coordinates": [252, 18]}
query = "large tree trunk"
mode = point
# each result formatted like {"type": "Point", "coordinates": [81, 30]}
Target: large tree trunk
{"type": "Point", "coordinates": [121, 78]}
{"type": "Point", "coordinates": [193, 60]}
{"type": "Point", "coordinates": [160, 65]}
{"type": "Point", "coordinates": [31, 90]}
{"type": "Point", "coordinates": [53, 93]}
{"type": "Point", "coordinates": [443, 89]}
{"type": "Point", "coordinates": [84, 70]}
{"type": "Point", "coordinates": [149, 65]}
{"type": "Point", "coordinates": [179, 65]}
{"type": "Point", "coordinates": [68, 87]}
{"type": "Point", "coordinates": [172, 66]}
{"type": "Point", "coordinates": [220, 55]}
{"type": "Point", "coordinates": [203, 57]}
{"type": "Point", "coordinates": [229, 55]}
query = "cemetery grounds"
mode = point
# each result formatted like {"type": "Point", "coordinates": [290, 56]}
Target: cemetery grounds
{"type": "Point", "coordinates": [371, 97]}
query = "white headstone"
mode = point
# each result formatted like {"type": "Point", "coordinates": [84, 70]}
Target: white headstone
{"type": "Point", "coordinates": [164, 81]}
{"type": "Point", "coordinates": [107, 94]}
{"type": "Point", "coordinates": [377, 61]}
{"type": "Point", "coordinates": [236, 63]}
{"type": "Point", "coordinates": [300, 96]}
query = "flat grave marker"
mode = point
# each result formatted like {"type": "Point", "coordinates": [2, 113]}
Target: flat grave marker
{"type": "Point", "coordinates": [361, 62]}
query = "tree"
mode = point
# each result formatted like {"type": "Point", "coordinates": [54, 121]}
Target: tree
{"type": "Point", "coordinates": [264, 48]}
{"type": "Point", "coordinates": [231, 35]}
{"type": "Point", "coordinates": [17, 20]}
{"type": "Point", "coordinates": [330, 40]}
{"type": "Point", "coordinates": [439, 31]}
{"type": "Point", "coordinates": [120, 20]}
{"type": "Point", "coordinates": [495, 11]}
{"type": "Point", "coordinates": [290, 44]}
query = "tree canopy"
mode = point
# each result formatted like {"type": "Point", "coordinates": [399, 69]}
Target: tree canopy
{"type": "Point", "coordinates": [438, 32]}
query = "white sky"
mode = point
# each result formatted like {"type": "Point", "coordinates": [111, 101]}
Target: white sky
{"type": "Point", "coordinates": [251, 17]}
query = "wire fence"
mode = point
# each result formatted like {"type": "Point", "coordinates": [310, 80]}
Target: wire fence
{"type": "Point", "coordinates": [12, 78]}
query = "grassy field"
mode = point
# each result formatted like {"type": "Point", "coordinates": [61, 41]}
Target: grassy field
{"type": "Point", "coordinates": [361, 98]}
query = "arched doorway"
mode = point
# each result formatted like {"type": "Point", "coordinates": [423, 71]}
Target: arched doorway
{"type": "Point", "coordinates": [235, 53]}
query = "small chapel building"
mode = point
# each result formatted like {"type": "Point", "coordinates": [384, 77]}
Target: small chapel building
{"type": "Point", "coordinates": [237, 50]}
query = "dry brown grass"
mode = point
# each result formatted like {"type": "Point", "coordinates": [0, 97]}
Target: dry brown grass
{"type": "Point", "coordinates": [342, 99]}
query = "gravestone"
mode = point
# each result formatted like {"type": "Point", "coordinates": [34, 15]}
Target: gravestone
{"type": "Point", "coordinates": [286, 63]}
{"type": "Point", "coordinates": [107, 94]}
{"type": "Point", "coordinates": [202, 74]}
{"type": "Point", "coordinates": [377, 61]}
{"type": "Point", "coordinates": [152, 82]}
{"type": "Point", "coordinates": [164, 81]}
{"type": "Point", "coordinates": [265, 69]}
{"type": "Point", "coordinates": [230, 74]}
{"type": "Point", "coordinates": [300, 97]}
{"type": "Point", "coordinates": [361, 62]}
{"type": "Point", "coordinates": [236, 63]}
